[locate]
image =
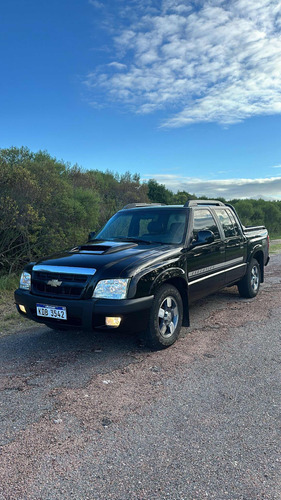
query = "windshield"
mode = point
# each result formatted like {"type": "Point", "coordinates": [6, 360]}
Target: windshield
{"type": "Point", "coordinates": [158, 226]}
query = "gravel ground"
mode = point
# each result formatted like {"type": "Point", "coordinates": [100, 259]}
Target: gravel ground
{"type": "Point", "coordinates": [95, 416]}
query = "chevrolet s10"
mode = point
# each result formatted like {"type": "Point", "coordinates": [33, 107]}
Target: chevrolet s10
{"type": "Point", "coordinates": [144, 268]}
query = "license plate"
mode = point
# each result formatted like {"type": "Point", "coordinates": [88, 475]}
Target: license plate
{"type": "Point", "coordinates": [47, 311]}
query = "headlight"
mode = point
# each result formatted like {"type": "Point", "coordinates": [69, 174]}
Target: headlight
{"type": "Point", "coordinates": [111, 289]}
{"type": "Point", "coordinates": [25, 281]}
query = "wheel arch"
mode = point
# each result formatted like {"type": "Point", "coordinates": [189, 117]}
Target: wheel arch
{"type": "Point", "coordinates": [259, 256]}
{"type": "Point", "coordinates": [179, 282]}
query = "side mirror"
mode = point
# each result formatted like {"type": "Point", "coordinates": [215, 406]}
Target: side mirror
{"type": "Point", "coordinates": [204, 237]}
{"type": "Point", "coordinates": [92, 235]}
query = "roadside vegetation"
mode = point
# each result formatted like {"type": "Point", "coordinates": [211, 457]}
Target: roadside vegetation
{"type": "Point", "coordinates": [10, 320]}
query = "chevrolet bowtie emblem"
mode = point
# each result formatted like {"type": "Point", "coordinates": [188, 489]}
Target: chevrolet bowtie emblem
{"type": "Point", "coordinates": [54, 283]}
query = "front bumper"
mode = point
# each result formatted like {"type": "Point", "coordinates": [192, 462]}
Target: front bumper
{"type": "Point", "coordinates": [89, 314]}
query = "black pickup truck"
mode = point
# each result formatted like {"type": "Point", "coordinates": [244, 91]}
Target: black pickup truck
{"type": "Point", "coordinates": [144, 268]}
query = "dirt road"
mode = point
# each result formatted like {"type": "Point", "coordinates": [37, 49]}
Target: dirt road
{"type": "Point", "coordinates": [95, 416]}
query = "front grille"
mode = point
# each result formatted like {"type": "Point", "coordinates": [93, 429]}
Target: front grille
{"type": "Point", "coordinates": [63, 285]}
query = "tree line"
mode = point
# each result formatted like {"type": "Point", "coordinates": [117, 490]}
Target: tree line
{"type": "Point", "coordinates": [48, 205]}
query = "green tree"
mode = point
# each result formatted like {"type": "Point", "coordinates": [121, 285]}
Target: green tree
{"type": "Point", "coordinates": [181, 197]}
{"type": "Point", "coordinates": [245, 211]}
{"type": "Point", "coordinates": [42, 211]}
{"type": "Point", "coordinates": [158, 193]}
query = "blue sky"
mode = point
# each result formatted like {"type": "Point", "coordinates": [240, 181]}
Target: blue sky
{"type": "Point", "coordinates": [188, 93]}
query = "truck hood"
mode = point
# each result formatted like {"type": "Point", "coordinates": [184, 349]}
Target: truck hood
{"type": "Point", "coordinates": [112, 258]}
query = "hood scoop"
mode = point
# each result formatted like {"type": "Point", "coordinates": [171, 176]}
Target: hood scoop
{"type": "Point", "coordinates": [100, 249]}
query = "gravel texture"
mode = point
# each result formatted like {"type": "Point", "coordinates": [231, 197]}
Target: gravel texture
{"type": "Point", "coordinates": [97, 416]}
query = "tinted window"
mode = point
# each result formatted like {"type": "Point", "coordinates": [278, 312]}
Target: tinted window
{"type": "Point", "coordinates": [226, 223]}
{"type": "Point", "coordinates": [204, 221]}
{"type": "Point", "coordinates": [119, 227]}
{"type": "Point", "coordinates": [235, 223]}
{"type": "Point", "coordinates": [164, 226]}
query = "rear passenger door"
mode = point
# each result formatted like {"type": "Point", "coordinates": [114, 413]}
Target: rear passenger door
{"type": "Point", "coordinates": [235, 245]}
{"type": "Point", "coordinates": [205, 263]}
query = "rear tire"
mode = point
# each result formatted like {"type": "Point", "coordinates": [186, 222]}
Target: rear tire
{"type": "Point", "coordinates": [165, 318]}
{"type": "Point", "coordinates": [249, 285]}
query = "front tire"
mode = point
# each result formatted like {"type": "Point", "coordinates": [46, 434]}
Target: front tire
{"type": "Point", "coordinates": [249, 285]}
{"type": "Point", "coordinates": [165, 318]}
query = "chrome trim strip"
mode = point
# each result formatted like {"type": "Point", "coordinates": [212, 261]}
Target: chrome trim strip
{"type": "Point", "coordinates": [215, 266]}
{"type": "Point", "coordinates": [215, 274]}
{"type": "Point", "coordinates": [64, 269]}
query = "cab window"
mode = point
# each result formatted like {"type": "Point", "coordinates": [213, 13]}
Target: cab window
{"type": "Point", "coordinates": [204, 221]}
{"type": "Point", "coordinates": [226, 223]}
{"type": "Point", "coordinates": [235, 223]}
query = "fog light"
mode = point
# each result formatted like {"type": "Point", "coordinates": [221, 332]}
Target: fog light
{"type": "Point", "coordinates": [22, 308]}
{"type": "Point", "coordinates": [112, 321]}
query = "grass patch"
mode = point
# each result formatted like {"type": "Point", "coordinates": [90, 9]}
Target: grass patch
{"type": "Point", "coordinates": [10, 320]}
{"type": "Point", "coordinates": [9, 282]}
{"type": "Point", "coordinates": [8, 285]}
{"type": "Point", "coordinates": [275, 248]}
{"type": "Point", "coordinates": [10, 316]}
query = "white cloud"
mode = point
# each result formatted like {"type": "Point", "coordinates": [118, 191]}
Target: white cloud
{"type": "Point", "coordinates": [118, 66]}
{"type": "Point", "coordinates": [268, 188]}
{"type": "Point", "coordinates": [219, 61]}
{"type": "Point", "coordinates": [96, 4]}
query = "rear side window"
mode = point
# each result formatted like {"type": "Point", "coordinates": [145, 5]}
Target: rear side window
{"type": "Point", "coordinates": [226, 222]}
{"type": "Point", "coordinates": [204, 221]}
{"type": "Point", "coordinates": [235, 223]}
